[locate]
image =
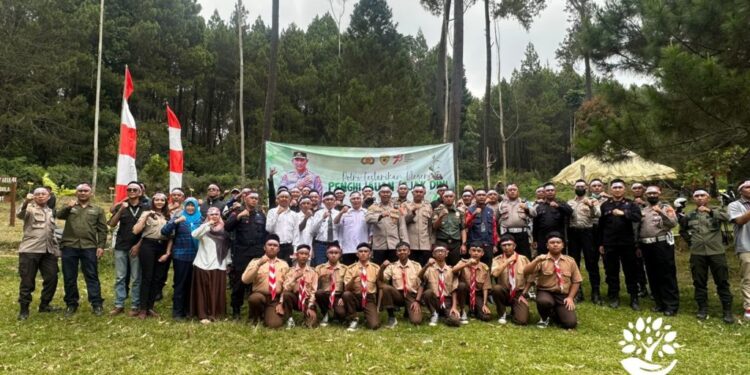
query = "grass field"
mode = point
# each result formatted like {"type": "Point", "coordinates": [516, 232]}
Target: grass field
{"type": "Point", "coordinates": [49, 343]}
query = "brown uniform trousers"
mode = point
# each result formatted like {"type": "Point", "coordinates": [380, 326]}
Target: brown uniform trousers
{"type": "Point", "coordinates": [393, 298]}
{"type": "Point", "coordinates": [553, 304]}
{"type": "Point", "coordinates": [432, 301]}
{"type": "Point", "coordinates": [262, 307]}
{"type": "Point", "coordinates": [291, 303]}
{"type": "Point", "coordinates": [519, 310]}
{"type": "Point", "coordinates": [321, 299]}
{"type": "Point", "coordinates": [464, 299]}
{"type": "Point", "coordinates": [353, 304]}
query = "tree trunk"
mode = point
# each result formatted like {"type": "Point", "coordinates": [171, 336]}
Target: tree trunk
{"type": "Point", "coordinates": [457, 78]}
{"type": "Point", "coordinates": [487, 90]}
{"type": "Point", "coordinates": [441, 94]}
{"type": "Point", "coordinates": [95, 165]}
{"type": "Point", "coordinates": [241, 111]}
{"type": "Point", "coordinates": [271, 92]}
{"type": "Point", "coordinates": [587, 62]}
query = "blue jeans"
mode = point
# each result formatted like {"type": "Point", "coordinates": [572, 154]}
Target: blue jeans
{"type": "Point", "coordinates": [122, 259]}
{"type": "Point", "coordinates": [87, 258]}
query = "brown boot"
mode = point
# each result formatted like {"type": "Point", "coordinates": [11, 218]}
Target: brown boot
{"type": "Point", "coordinates": [117, 311]}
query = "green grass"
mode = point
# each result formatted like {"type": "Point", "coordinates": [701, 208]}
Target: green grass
{"type": "Point", "coordinates": [49, 343]}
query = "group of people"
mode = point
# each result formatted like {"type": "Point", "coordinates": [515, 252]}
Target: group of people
{"type": "Point", "coordinates": [331, 255]}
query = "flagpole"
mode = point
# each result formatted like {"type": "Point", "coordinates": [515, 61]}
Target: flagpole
{"type": "Point", "coordinates": [242, 84]}
{"type": "Point", "coordinates": [98, 92]}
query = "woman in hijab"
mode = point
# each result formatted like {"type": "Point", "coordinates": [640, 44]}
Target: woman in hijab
{"type": "Point", "coordinates": [183, 251]}
{"type": "Point", "coordinates": [153, 246]}
{"type": "Point", "coordinates": [208, 297]}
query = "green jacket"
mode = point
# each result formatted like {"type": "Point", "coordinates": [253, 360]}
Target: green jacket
{"type": "Point", "coordinates": [703, 231]}
{"type": "Point", "coordinates": [85, 227]}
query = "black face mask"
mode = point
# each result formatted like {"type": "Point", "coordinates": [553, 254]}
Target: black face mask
{"type": "Point", "coordinates": [580, 192]}
{"type": "Point", "coordinates": [653, 200]}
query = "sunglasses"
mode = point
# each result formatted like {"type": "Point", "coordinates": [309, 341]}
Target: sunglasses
{"type": "Point", "coordinates": [132, 190]}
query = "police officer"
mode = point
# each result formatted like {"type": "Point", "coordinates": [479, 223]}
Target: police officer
{"type": "Point", "coordinates": [656, 245]}
{"type": "Point", "coordinates": [701, 228]}
{"type": "Point", "coordinates": [513, 218]}
{"type": "Point", "coordinates": [551, 216]}
{"type": "Point", "coordinates": [301, 176]}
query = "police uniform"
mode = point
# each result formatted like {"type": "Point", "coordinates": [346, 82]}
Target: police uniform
{"type": "Point", "coordinates": [420, 234]}
{"type": "Point", "coordinates": [388, 228]}
{"type": "Point", "coordinates": [292, 178]}
{"type": "Point", "coordinates": [581, 241]}
{"type": "Point", "coordinates": [514, 220]}
{"type": "Point", "coordinates": [657, 249]}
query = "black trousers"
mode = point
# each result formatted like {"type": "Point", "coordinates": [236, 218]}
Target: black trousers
{"type": "Point", "coordinates": [349, 259]}
{"type": "Point", "coordinates": [523, 246]}
{"type": "Point", "coordinates": [420, 256]}
{"type": "Point", "coordinates": [151, 270]}
{"type": "Point", "coordinates": [581, 241]}
{"type": "Point", "coordinates": [614, 256]}
{"type": "Point", "coordinates": [662, 273]}
{"type": "Point", "coordinates": [28, 265]}
{"type": "Point", "coordinates": [163, 277]}
{"type": "Point", "coordinates": [89, 265]}
{"type": "Point", "coordinates": [640, 271]}
{"type": "Point", "coordinates": [699, 268]}
{"type": "Point", "coordinates": [454, 250]}
{"type": "Point", "coordinates": [380, 255]}
{"type": "Point", "coordinates": [285, 252]}
{"type": "Point", "coordinates": [240, 290]}
{"type": "Point", "coordinates": [183, 278]}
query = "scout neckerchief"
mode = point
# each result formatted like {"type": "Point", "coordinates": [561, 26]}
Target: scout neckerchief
{"type": "Point", "coordinates": [272, 278]}
{"type": "Point", "coordinates": [558, 272]}
{"type": "Point", "coordinates": [301, 293]}
{"type": "Point", "coordinates": [403, 279]}
{"type": "Point", "coordinates": [332, 288]}
{"type": "Point", "coordinates": [512, 275]}
{"type": "Point", "coordinates": [473, 288]}
{"type": "Point", "coordinates": [441, 287]}
{"type": "Point", "coordinates": [363, 285]}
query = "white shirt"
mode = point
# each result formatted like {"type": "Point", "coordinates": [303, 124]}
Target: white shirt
{"type": "Point", "coordinates": [285, 225]}
{"type": "Point", "coordinates": [206, 258]}
{"type": "Point", "coordinates": [320, 225]}
{"type": "Point", "coordinates": [354, 230]}
{"type": "Point", "coordinates": [303, 236]}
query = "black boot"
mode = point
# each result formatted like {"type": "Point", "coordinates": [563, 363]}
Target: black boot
{"type": "Point", "coordinates": [23, 314]}
{"type": "Point", "coordinates": [579, 296]}
{"type": "Point", "coordinates": [614, 302]}
{"type": "Point", "coordinates": [236, 313]}
{"type": "Point", "coordinates": [728, 316]}
{"type": "Point", "coordinates": [634, 303]}
{"type": "Point", "coordinates": [702, 313]}
{"type": "Point", "coordinates": [596, 299]}
{"type": "Point", "coordinates": [46, 308]}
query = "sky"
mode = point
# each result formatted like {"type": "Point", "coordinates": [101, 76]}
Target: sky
{"type": "Point", "coordinates": [546, 33]}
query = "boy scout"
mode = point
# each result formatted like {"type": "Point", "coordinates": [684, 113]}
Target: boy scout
{"type": "Point", "coordinates": [331, 279]}
{"type": "Point", "coordinates": [473, 276]}
{"type": "Point", "coordinates": [361, 289]}
{"type": "Point", "coordinates": [266, 275]}
{"type": "Point", "coordinates": [557, 282]}
{"type": "Point", "coordinates": [399, 285]}
{"type": "Point", "coordinates": [300, 286]}
{"type": "Point", "coordinates": [439, 288]}
{"type": "Point", "coordinates": [701, 228]}
{"type": "Point", "coordinates": [507, 269]}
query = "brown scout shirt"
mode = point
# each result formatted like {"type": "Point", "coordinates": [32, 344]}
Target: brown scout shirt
{"type": "Point", "coordinates": [311, 282]}
{"type": "Point", "coordinates": [393, 274]}
{"type": "Point", "coordinates": [352, 275]}
{"type": "Point", "coordinates": [546, 279]}
{"type": "Point", "coordinates": [258, 275]}
{"type": "Point", "coordinates": [483, 275]}
{"type": "Point", "coordinates": [431, 279]}
{"type": "Point", "coordinates": [503, 278]}
{"type": "Point", "coordinates": [324, 276]}
{"type": "Point", "coordinates": [419, 225]}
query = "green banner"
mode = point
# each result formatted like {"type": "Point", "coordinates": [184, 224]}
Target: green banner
{"type": "Point", "coordinates": [327, 168]}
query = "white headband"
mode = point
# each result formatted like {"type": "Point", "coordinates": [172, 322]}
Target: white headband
{"type": "Point", "coordinates": [653, 189]}
{"type": "Point", "coordinates": [743, 185]}
{"type": "Point", "coordinates": [700, 192]}
{"type": "Point", "coordinates": [616, 184]}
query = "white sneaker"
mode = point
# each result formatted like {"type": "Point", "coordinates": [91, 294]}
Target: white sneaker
{"type": "Point", "coordinates": [434, 319]}
{"type": "Point", "coordinates": [503, 319]}
{"type": "Point", "coordinates": [543, 323]}
{"type": "Point", "coordinates": [464, 318]}
{"type": "Point", "coordinates": [392, 322]}
{"type": "Point", "coordinates": [352, 326]}
{"type": "Point", "coordinates": [747, 314]}
{"type": "Point", "coordinates": [290, 323]}
{"type": "Point", "coordinates": [532, 295]}
{"type": "Point", "coordinates": [324, 321]}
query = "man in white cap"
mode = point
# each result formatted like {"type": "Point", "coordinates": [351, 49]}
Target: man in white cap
{"type": "Point", "coordinates": [739, 214]}
{"type": "Point", "coordinates": [701, 228]}
{"type": "Point", "coordinates": [656, 244]}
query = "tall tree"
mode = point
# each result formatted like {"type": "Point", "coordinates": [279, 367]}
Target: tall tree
{"type": "Point", "coordinates": [271, 92]}
{"type": "Point", "coordinates": [577, 44]}
{"type": "Point", "coordinates": [241, 114]}
{"type": "Point", "coordinates": [457, 77]}
{"type": "Point", "coordinates": [439, 118]}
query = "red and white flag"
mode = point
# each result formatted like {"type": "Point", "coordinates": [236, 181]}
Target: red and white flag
{"type": "Point", "coordinates": [175, 150]}
{"type": "Point", "coordinates": [126, 171]}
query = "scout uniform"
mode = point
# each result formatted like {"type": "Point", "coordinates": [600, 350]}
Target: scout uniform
{"type": "Point", "coordinates": [299, 294]}
{"type": "Point", "coordinates": [474, 281]}
{"type": "Point", "coordinates": [440, 288]}
{"type": "Point", "coordinates": [38, 251]}
{"type": "Point", "coordinates": [388, 229]}
{"type": "Point", "coordinates": [553, 281]}
{"type": "Point", "coordinates": [419, 227]}
{"type": "Point", "coordinates": [361, 291]}
{"type": "Point", "coordinates": [509, 285]}
{"type": "Point", "coordinates": [657, 248]}
{"type": "Point", "coordinates": [401, 286]}
{"type": "Point", "coordinates": [449, 232]}
{"type": "Point", "coordinates": [514, 220]}
{"type": "Point", "coordinates": [702, 230]}
{"type": "Point", "coordinates": [267, 280]}
{"type": "Point", "coordinates": [331, 288]}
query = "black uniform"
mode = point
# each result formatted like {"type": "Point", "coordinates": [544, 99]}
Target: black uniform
{"type": "Point", "coordinates": [249, 236]}
{"type": "Point", "coordinates": [618, 238]}
{"type": "Point", "coordinates": [550, 219]}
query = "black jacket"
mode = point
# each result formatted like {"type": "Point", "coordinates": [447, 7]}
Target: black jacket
{"type": "Point", "coordinates": [618, 230]}
{"type": "Point", "coordinates": [249, 234]}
